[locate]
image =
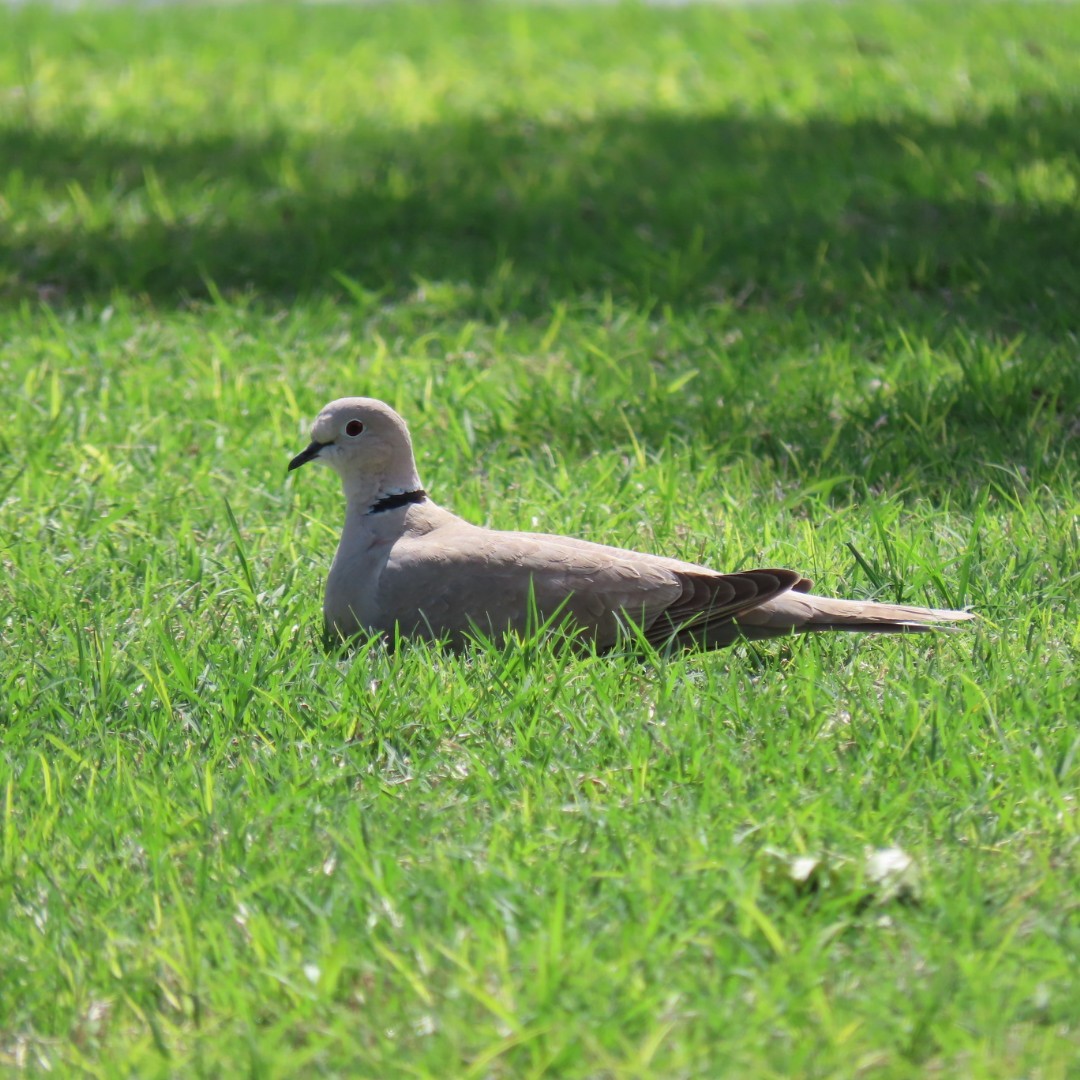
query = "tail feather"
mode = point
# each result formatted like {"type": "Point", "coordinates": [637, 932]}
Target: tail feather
{"type": "Point", "coordinates": [804, 613]}
{"type": "Point", "coordinates": [716, 610]}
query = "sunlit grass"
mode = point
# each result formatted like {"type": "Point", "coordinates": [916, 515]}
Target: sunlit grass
{"type": "Point", "coordinates": [789, 286]}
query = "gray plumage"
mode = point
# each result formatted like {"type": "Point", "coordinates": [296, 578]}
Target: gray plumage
{"type": "Point", "coordinates": [405, 565]}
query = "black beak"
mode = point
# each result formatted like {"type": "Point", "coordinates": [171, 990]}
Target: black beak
{"type": "Point", "coordinates": [310, 454]}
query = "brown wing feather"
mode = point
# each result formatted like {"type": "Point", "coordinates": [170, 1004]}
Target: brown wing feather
{"type": "Point", "coordinates": [705, 611]}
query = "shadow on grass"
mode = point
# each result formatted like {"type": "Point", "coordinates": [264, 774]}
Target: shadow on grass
{"type": "Point", "coordinates": [971, 218]}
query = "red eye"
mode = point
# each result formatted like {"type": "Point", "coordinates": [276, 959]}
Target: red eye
{"type": "Point", "coordinates": [353, 428]}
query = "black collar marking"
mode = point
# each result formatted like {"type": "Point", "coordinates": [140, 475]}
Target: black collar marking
{"type": "Point", "coordinates": [402, 498]}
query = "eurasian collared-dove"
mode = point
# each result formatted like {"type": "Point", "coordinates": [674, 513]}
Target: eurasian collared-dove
{"type": "Point", "coordinates": [406, 565]}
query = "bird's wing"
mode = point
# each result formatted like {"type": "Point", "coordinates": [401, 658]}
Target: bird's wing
{"type": "Point", "coordinates": [461, 578]}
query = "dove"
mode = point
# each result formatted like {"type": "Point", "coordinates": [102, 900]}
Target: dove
{"type": "Point", "coordinates": [406, 567]}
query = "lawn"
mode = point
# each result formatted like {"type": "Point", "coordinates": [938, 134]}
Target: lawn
{"type": "Point", "coordinates": [794, 285]}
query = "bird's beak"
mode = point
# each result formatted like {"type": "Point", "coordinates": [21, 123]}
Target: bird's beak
{"type": "Point", "coordinates": [310, 454]}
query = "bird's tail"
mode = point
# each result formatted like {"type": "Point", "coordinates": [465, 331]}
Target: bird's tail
{"type": "Point", "coordinates": [800, 612]}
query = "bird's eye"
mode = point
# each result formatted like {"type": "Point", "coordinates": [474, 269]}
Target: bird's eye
{"type": "Point", "coordinates": [353, 428]}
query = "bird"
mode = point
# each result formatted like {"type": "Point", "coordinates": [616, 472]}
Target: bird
{"type": "Point", "coordinates": [407, 568]}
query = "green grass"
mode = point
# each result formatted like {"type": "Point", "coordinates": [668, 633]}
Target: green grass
{"type": "Point", "coordinates": [787, 285]}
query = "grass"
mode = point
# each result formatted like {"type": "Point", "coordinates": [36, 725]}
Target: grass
{"type": "Point", "coordinates": [791, 285]}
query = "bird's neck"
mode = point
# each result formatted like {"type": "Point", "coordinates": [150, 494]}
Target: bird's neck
{"type": "Point", "coordinates": [397, 500]}
{"type": "Point", "coordinates": [365, 495]}
{"type": "Point", "coordinates": [384, 520]}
